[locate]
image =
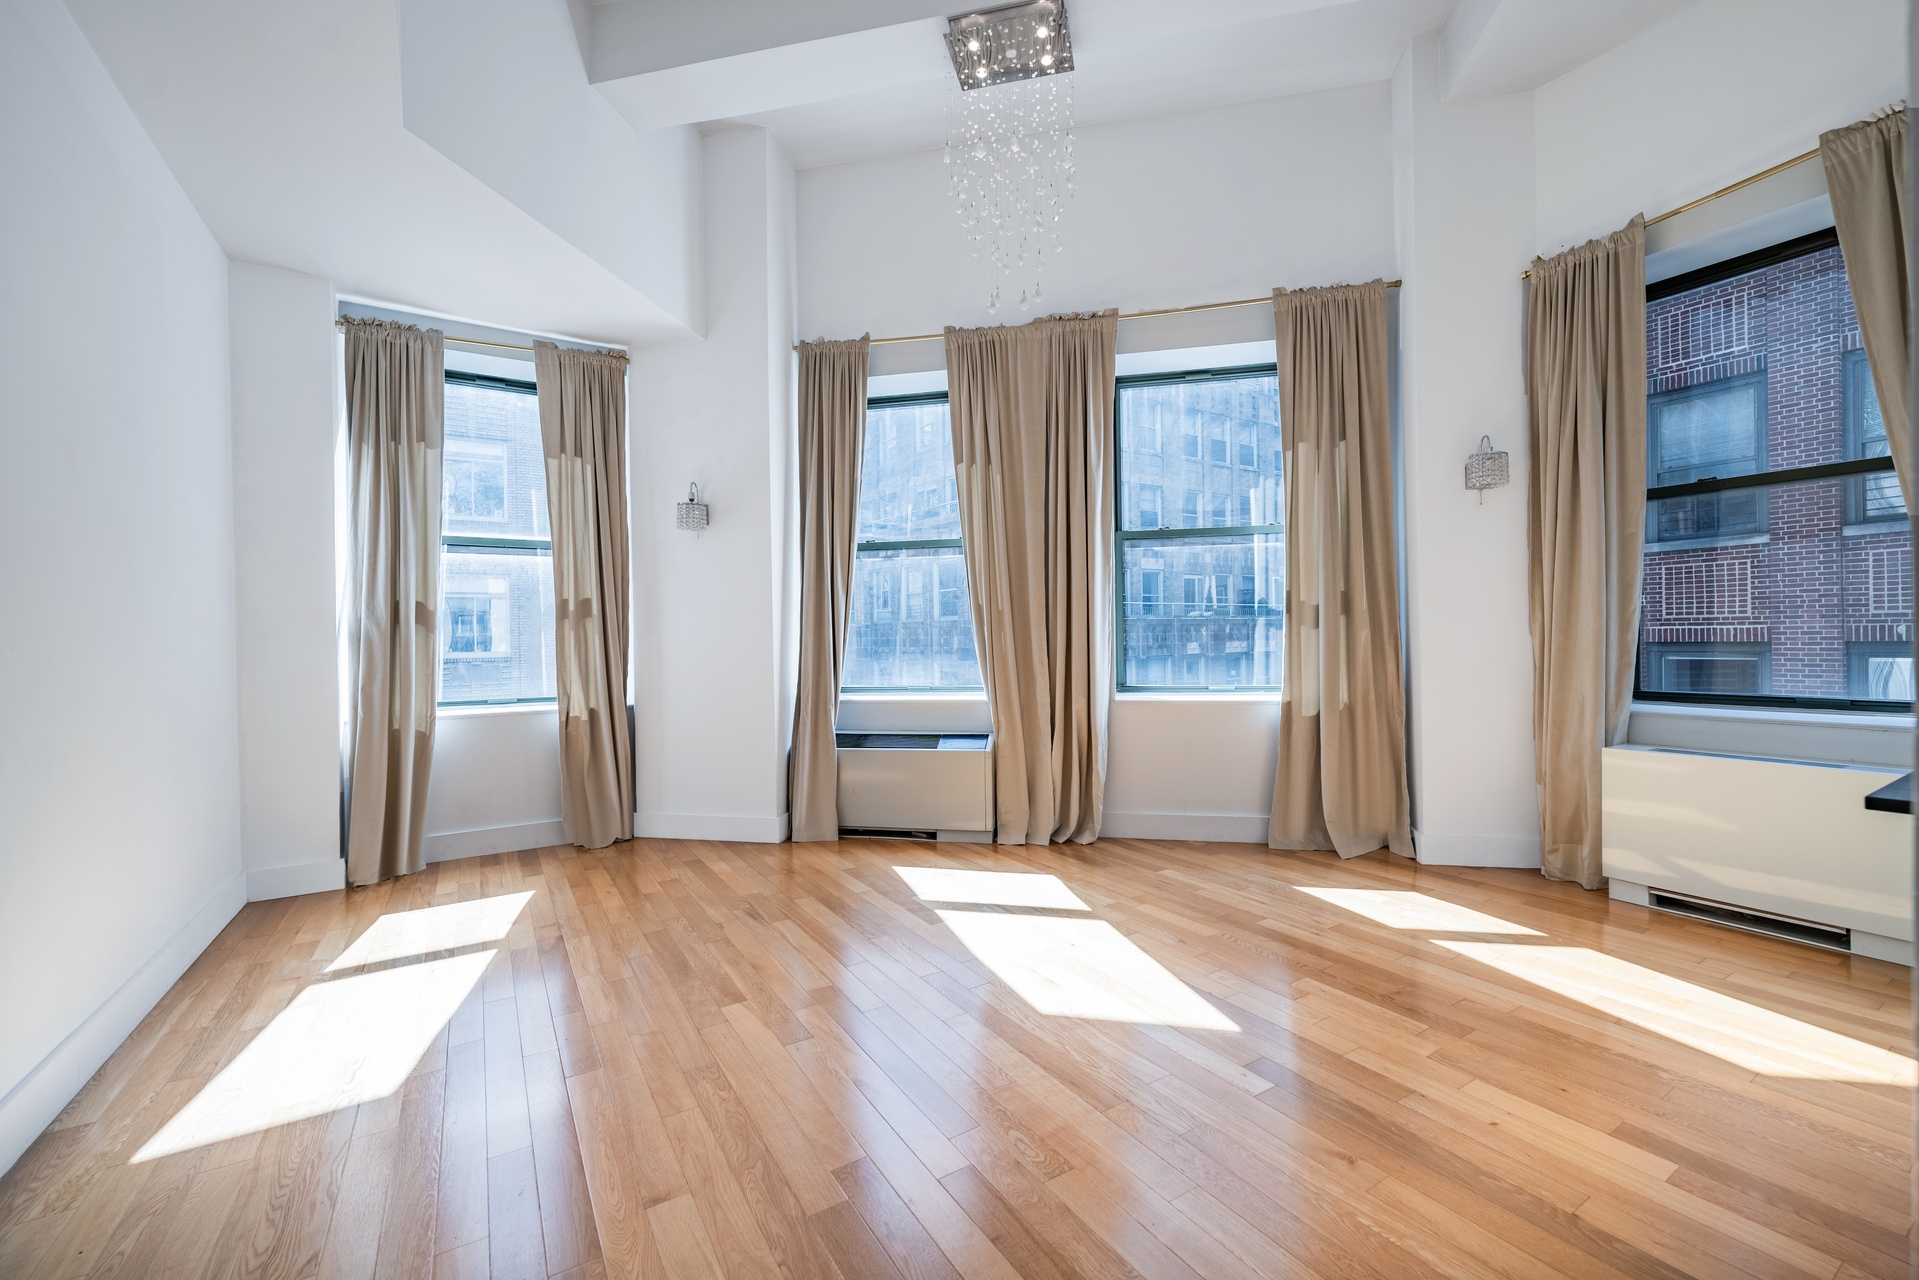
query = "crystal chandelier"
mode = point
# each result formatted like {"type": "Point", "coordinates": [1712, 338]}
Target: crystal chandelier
{"type": "Point", "coordinates": [1010, 138]}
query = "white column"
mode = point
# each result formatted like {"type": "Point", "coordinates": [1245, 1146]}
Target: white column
{"type": "Point", "coordinates": [284, 501]}
{"type": "Point", "coordinates": [1463, 192]}
{"type": "Point", "coordinates": [714, 622]}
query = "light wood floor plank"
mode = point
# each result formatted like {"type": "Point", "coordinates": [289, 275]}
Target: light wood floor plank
{"type": "Point", "coordinates": [692, 1058]}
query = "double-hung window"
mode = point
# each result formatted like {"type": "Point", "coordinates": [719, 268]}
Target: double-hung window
{"type": "Point", "coordinates": [912, 623]}
{"type": "Point", "coordinates": [496, 553]}
{"type": "Point", "coordinates": [1201, 596]}
{"type": "Point", "coordinates": [1777, 562]}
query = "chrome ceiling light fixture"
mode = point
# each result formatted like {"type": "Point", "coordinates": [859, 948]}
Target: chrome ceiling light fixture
{"type": "Point", "coordinates": [1010, 137]}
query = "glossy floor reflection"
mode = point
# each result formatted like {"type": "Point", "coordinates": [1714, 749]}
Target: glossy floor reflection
{"type": "Point", "coordinates": [877, 1061]}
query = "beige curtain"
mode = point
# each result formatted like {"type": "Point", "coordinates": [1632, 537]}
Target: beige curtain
{"type": "Point", "coordinates": [832, 434]}
{"type": "Point", "coordinates": [395, 393]}
{"type": "Point", "coordinates": [1341, 782]}
{"type": "Point", "coordinates": [1866, 173]}
{"type": "Point", "coordinates": [1586, 389]}
{"type": "Point", "coordinates": [583, 428]}
{"type": "Point", "coordinates": [1032, 448]}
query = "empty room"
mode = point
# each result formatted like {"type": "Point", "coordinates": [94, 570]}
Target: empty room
{"type": "Point", "coordinates": [860, 640]}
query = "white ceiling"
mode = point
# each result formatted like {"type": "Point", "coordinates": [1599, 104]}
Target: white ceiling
{"type": "Point", "coordinates": [848, 80]}
{"type": "Point", "coordinates": [405, 148]}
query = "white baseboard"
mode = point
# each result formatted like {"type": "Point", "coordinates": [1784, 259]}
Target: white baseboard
{"type": "Point", "coordinates": [448, 845]}
{"type": "Point", "coordinates": [30, 1106]}
{"type": "Point", "coordinates": [1222, 828]}
{"type": "Point", "coordinates": [295, 879]}
{"type": "Point", "coordinates": [710, 826]}
{"type": "Point", "coordinates": [1465, 849]}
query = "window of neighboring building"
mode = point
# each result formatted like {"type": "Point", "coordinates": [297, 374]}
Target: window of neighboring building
{"type": "Point", "coordinates": [1201, 605]}
{"type": "Point", "coordinates": [496, 556]}
{"type": "Point", "coordinates": [912, 623]}
{"type": "Point", "coordinates": [1777, 565]}
{"type": "Point", "coordinates": [1869, 498]}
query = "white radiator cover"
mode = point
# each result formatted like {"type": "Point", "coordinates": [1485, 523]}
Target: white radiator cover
{"type": "Point", "coordinates": [1788, 837]}
{"type": "Point", "coordinates": [946, 791]}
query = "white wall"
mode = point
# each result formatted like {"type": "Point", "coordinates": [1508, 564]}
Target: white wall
{"type": "Point", "coordinates": [496, 782]}
{"type": "Point", "coordinates": [119, 770]}
{"type": "Point", "coordinates": [498, 87]}
{"type": "Point", "coordinates": [1715, 94]}
{"type": "Point", "coordinates": [1198, 207]}
{"type": "Point", "coordinates": [284, 440]}
{"type": "Point", "coordinates": [712, 611]}
{"type": "Point", "coordinates": [1464, 191]}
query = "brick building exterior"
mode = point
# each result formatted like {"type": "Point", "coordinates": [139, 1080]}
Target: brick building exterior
{"type": "Point", "coordinates": [1789, 590]}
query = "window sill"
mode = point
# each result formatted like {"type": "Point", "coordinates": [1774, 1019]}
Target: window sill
{"type": "Point", "coordinates": [1199, 695]}
{"type": "Point", "coordinates": [1776, 715]}
{"type": "Point", "coordinates": [1867, 529]}
{"type": "Point", "coordinates": [1702, 544]}
{"type": "Point", "coordinates": [459, 711]}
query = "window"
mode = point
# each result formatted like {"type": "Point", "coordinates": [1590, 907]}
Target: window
{"type": "Point", "coordinates": [912, 624]}
{"type": "Point", "coordinates": [1871, 498]}
{"type": "Point", "coordinates": [1201, 605]}
{"type": "Point", "coordinates": [1777, 567]}
{"type": "Point", "coordinates": [1148, 495]}
{"type": "Point", "coordinates": [496, 559]}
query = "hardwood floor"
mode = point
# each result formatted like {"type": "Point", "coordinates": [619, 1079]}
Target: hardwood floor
{"type": "Point", "coordinates": [686, 1059]}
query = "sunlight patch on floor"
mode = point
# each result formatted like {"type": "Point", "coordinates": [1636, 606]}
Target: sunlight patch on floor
{"type": "Point", "coordinates": [399, 934]}
{"type": "Point", "coordinates": [1404, 909]}
{"type": "Point", "coordinates": [991, 888]}
{"type": "Point", "coordinates": [1746, 1035]}
{"type": "Point", "coordinates": [1081, 968]}
{"type": "Point", "coordinates": [339, 1044]}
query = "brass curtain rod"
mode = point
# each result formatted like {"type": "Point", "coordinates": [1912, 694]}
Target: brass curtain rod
{"type": "Point", "coordinates": [1740, 185]}
{"type": "Point", "coordinates": [1129, 315]}
{"type": "Point", "coordinates": [478, 342]}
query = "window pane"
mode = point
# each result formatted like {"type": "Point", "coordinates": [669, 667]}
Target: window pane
{"type": "Point", "coordinates": [494, 470]}
{"type": "Point", "coordinates": [1227, 468]}
{"type": "Point", "coordinates": [496, 626]}
{"type": "Point", "coordinates": [912, 621]}
{"type": "Point", "coordinates": [1203, 612]}
{"type": "Point", "coordinates": [1809, 606]}
{"type": "Point", "coordinates": [906, 475]}
{"type": "Point", "coordinates": [1873, 497]}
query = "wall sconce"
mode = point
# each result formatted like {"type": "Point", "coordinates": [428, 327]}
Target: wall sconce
{"type": "Point", "coordinates": [692, 513]}
{"type": "Point", "coordinates": [1487, 469]}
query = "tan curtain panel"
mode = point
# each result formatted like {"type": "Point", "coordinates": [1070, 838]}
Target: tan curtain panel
{"type": "Point", "coordinates": [1586, 392]}
{"type": "Point", "coordinates": [396, 396]}
{"type": "Point", "coordinates": [832, 435]}
{"type": "Point", "coordinates": [1866, 173]}
{"type": "Point", "coordinates": [583, 429]}
{"type": "Point", "coordinates": [1032, 449]}
{"type": "Point", "coordinates": [1341, 782]}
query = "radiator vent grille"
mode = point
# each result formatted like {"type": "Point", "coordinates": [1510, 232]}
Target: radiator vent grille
{"type": "Point", "coordinates": [879, 833]}
{"type": "Point", "coordinates": [1819, 935]}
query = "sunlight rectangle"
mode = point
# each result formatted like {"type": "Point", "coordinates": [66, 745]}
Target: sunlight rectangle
{"type": "Point", "coordinates": [337, 1045]}
{"type": "Point", "coordinates": [1081, 968]}
{"type": "Point", "coordinates": [1404, 909]}
{"type": "Point", "coordinates": [1746, 1035]}
{"type": "Point", "coordinates": [991, 888]}
{"type": "Point", "coordinates": [400, 934]}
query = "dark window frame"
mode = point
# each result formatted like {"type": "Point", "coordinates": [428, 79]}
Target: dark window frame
{"type": "Point", "coordinates": [476, 542]}
{"type": "Point", "coordinates": [912, 544]}
{"type": "Point", "coordinates": [1712, 274]}
{"type": "Point", "coordinates": [1172, 605]}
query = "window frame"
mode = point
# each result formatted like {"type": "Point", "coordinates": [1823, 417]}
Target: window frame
{"type": "Point", "coordinates": [459, 543]}
{"type": "Point", "coordinates": [1684, 283]}
{"type": "Point", "coordinates": [911, 544]}
{"type": "Point", "coordinates": [1170, 606]}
